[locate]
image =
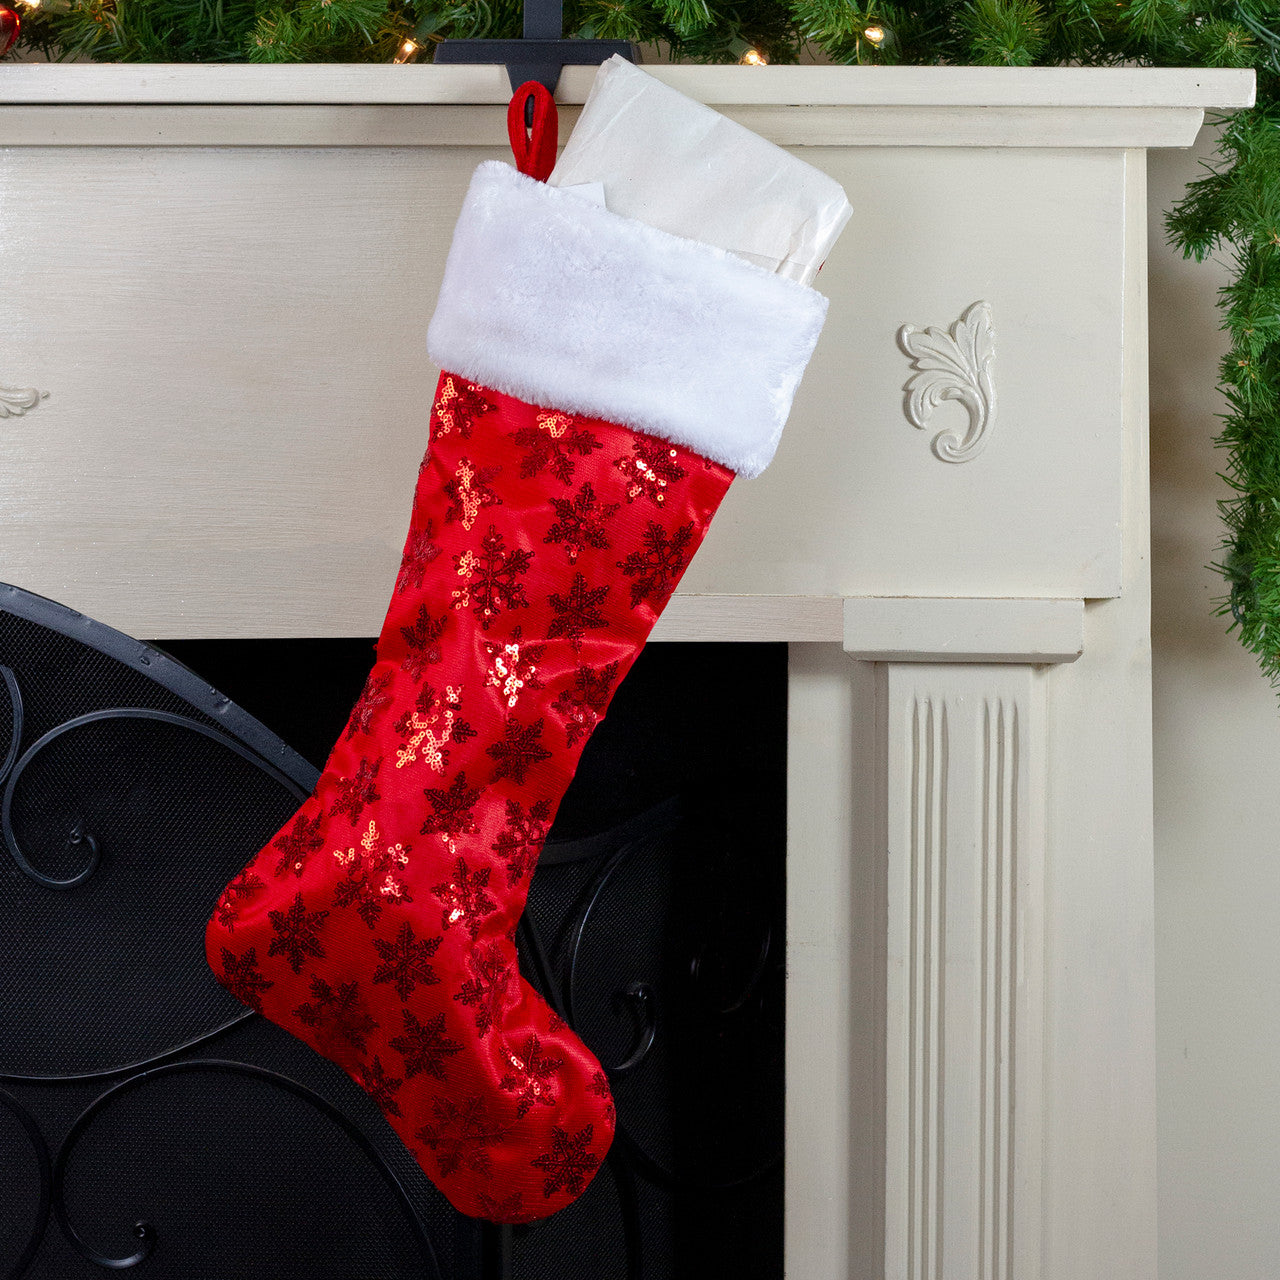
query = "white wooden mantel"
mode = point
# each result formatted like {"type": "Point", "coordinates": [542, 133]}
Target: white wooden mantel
{"type": "Point", "coordinates": [214, 287]}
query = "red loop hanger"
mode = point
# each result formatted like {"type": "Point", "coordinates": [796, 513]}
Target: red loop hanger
{"type": "Point", "coordinates": [534, 129]}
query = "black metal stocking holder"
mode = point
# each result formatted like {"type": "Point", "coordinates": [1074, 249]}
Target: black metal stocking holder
{"type": "Point", "coordinates": [542, 54]}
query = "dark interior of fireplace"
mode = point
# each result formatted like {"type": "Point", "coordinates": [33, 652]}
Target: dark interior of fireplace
{"type": "Point", "coordinates": [149, 1123]}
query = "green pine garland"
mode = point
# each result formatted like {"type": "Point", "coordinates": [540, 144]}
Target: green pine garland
{"type": "Point", "coordinates": [1235, 206]}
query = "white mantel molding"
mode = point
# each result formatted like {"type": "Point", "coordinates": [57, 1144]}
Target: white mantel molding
{"type": "Point", "coordinates": [906, 629]}
{"type": "Point", "coordinates": [986, 87]}
{"type": "Point", "coordinates": [188, 105]}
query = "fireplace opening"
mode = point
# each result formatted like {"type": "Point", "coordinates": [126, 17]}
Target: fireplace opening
{"type": "Point", "coordinates": [655, 926]}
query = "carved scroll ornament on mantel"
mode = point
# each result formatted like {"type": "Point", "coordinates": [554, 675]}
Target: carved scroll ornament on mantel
{"type": "Point", "coordinates": [954, 364]}
{"type": "Point", "coordinates": [15, 401]}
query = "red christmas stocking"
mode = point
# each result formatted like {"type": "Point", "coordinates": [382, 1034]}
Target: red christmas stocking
{"type": "Point", "coordinates": [606, 382]}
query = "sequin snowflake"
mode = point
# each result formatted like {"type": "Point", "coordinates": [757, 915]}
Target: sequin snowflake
{"type": "Point", "coordinates": [651, 470]}
{"type": "Point", "coordinates": [453, 811]}
{"type": "Point", "coordinates": [513, 667]}
{"type": "Point", "coordinates": [373, 697]}
{"type": "Point", "coordinates": [297, 933]}
{"type": "Point", "coordinates": [529, 1075]}
{"type": "Point", "coordinates": [464, 898]}
{"type": "Point", "coordinates": [242, 977]}
{"type": "Point", "coordinates": [458, 405]}
{"type": "Point", "coordinates": [582, 705]}
{"type": "Point", "coordinates": [461, 1135]}
{"type": "Point", "coordinates": [491, 578]}
{"type": "Point", "coordinates": [520, 841]}
{"type": "Point", "coordinates": [380, 1086]}
{"type": "Point", "coordinates": [430, 726]}
{"type": "Point", "coordinates": [581, 522]}
{"type": "Point", "coordinates": [422, 643]}
{"type": "Point", "coordinates": [518, 751]}
{"type": "Point", "coordinates": [352, 795]}
{"type": "Point", "coordinates": [243, 887]}
{"type": "Point", "coordinates": [569, 1163]}
{"type": "Point", "coordinates": [485, 993]}
{"type": "Point", "coordinates": [373, 878]}
{"type": "Point", "coordinates": [419, 551]}
{"type": "Point", "coordinates": [577, 611]}
{"type": "Point", "coordinates": [424, 1046]}
{"type": "Point", "coordinates": [338, 1013]}
{"type": "Point", "coordinates": [657, 567]}
{"type": "Point", "coordinates": [554, 444]}
{"type": "Point", "coordinates": [298, 843]}
{"type": "Point", "coordinates": [469, 492]}
{"type": "Point", "coordinates": [406, 961]}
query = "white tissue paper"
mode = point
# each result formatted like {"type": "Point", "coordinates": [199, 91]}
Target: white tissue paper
{"type": "Point", "coordinates": [664, 159]}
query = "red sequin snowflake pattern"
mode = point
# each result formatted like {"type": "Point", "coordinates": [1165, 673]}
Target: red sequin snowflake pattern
{"type": "Point", "coordinates": [373, 697]}
{"type": "Point", "coordinates": [419, 552]}
{"type": "Point", "coordinates": [569, 1163]}
{"type": "Point", "coordinates": [520, 842]}
{"type": "Point", "coordinates": [381, 1087]}
{"type": "Point", "coordinates": [242, 977]}
{"type": "Point", "coordinates": [657, 567]}
{"type": "Point", "coordinates": [453, 811]}
{"type": "Point", "coordinates": [508, 1209]}
{"type": "Point", "coordinates": [469, 492]}
{"type": "Point", "coordinates": [485, 992]}
{"type": "Point", "coordinates": [430, 727]}
{"type": "Point", "coordinates": [652, 469]}
{"type": "Point", "coordinates": [373, 875]}
{"type": "Point", "coordinates": [580, 522]}
{"type": "Point", "coordinates": [513, 668]}
{"type": "Point", "coordinates": [554, 444]}
{"type": "Point", "coordinates": [339, 1014]}
{"type": "Point", "coordinates": [297, 933]}
{"type": "Point", "coordinates": [578, 611]}
{"type": "Point", "coordinates": [462, 1136]}
{"type": "Point", "coordinates": [491, 578]}
{"type": "Point", "coordinates": [422, 643]}
{"type": "Point", "coordinates": [530, 1076]}
{"type": "Point", "coordinates": [244, 886]}
{"type": "Point", "coordinates": [458, 404]}
{"type": "Point", "coordinates": [298, 843]}
{"type": "Point", "coordinates": [354, 794]}
{"type": "Point", "coordinates": [520, 749]}
{"type": "Point", "coordinates": [405, 962]}
{"type": "Point", "coordinates": [464, 899]}
{"type": "Point", "coordinates": [424, 1046]}
{"type": "Point", "coordinates": [583, 703]}
{"type": "Point", "coordinates": [599, 1086]}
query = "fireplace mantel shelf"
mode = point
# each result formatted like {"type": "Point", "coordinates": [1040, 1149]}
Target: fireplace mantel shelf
{"type": "Point", "coordinates": [210, 421]}
{"type": "Point", "coordinates": [824, 106]}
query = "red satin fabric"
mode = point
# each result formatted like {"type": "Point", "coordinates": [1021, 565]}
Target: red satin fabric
{"type": "Point", "coordinates": [378, 925]}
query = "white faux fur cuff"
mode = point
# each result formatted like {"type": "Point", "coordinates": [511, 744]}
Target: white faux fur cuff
{"type": "Point", "coordinates": [563, 304]}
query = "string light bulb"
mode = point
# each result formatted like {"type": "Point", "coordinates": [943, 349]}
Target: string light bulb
{"type": "Point", "coordinates": [754, 58]}
{"type": "Point", "coordinates": [873, 34]}
{"type": "Point", "coordinates": [408, 50]}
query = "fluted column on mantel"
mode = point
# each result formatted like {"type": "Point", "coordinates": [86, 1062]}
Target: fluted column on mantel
{"type": "Point", "coordinates": [964, 838]}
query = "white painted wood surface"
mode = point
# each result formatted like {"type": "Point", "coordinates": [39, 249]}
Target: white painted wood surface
{"type": "Point", "coordinates": [1166, 88]}
{"type": "Point", "coordinates": [964, 832]}
{"type": "Point", "coordinates": [236, 381]}
{"type": "Point", "coordinates": [228, 325]}
{"type": "Point", "coordinates": [459, 125]}
{"type": "Point", "coordinates": [906, 629]}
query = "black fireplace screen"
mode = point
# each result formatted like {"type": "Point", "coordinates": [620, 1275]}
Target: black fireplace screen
{"type": "Point", "coordinates": [149, 1121]}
